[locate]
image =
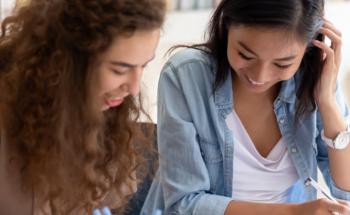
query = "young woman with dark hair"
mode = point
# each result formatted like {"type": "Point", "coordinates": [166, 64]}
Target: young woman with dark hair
{"type": "Point", "coordinates": [245, 118]}
{"type": "Point", "coordinates": [69, 80]}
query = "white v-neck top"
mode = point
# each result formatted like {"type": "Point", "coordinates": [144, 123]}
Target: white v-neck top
{"type": "Point", "coordinates": [256, 178]}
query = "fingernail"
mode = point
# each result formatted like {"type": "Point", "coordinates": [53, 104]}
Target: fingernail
{"type": "Point", "coordinates": [96, 212]}
{"type": "Point", "coordinates": [157, 212]}
{"type": "Point", "coordinates": [316, 42]}
{"type": "Point", "coordinates": [106, 211]}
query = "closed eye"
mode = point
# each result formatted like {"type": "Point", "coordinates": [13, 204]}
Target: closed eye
{"type": "Point", "coordinates": [244, 56]}
{"type": "Point", "coordinates": [117, 72]}
{"type": "Point", "coordinates": [283, 66]}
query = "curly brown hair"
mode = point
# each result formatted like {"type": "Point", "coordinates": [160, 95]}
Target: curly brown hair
{"type": "Point", "coordinates": [71, 155]}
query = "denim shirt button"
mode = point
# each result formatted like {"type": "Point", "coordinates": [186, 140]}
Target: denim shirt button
{"type": "Point", "coordinates": [278, 102]}
{"type": "Point", "coordinates": [294, 150]}
{"type": "Point", "coordinates": [282, 121]}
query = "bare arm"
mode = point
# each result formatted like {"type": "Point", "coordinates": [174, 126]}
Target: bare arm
{"type": "Point", "coordinates": [249, 208]}
{"type": "Point", "coordinates": [339, 160]}
{"type": "Point", "coordinates": [332, 118]}
{"type": "Point", "coordinates": [317, 207]}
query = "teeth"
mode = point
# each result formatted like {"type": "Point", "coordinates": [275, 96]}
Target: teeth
{"type": "Point", "coordinates": [115, 98]}
{"type": "Point", "coordinates": [255, 82]}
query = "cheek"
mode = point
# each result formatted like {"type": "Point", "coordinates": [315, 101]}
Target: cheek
{"type": "Point", "coordinates": [240, 65]}
{"type": "Point", "coordinates": [108, 83]}
{"type": "Point", "coordinates": [236, 62]}
{"type": "Point", "coordinates": [285, 75]}
{"type": "Point", "coordinates": [288, 74]}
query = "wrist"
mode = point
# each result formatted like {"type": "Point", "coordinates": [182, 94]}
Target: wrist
{"type": "Point", "coordinates": [327, 104]}
{"type": "Point", "coordinates": [282, 209]}
{"type": "Point", "coordinates": [332, 118]}
{"type": "Point", "coordinates": [250, 208]}
{"type": "Point", "coordinates": [292, 209]}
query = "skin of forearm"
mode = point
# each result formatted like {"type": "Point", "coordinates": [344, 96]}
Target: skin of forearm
{"type": "Point", "coordinates": [250, 208]}
{"type": "Point", "coordinates": [339, 160]}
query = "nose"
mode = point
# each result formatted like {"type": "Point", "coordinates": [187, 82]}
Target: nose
{"type": "Point", "coordinates": [260, 72]}
{"type": "Point", "coordinates": [132, 85]}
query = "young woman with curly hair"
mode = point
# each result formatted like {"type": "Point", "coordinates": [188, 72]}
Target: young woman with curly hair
{"type": "Point", "coordinates": [69, 81]}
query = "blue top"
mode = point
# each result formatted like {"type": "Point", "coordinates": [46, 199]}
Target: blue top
{"type": "Point", "coordinates": [196, 146]}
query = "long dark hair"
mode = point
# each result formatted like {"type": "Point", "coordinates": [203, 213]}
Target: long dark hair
{"type": "Point", "coordinates": [302, 17]}
{"type": "Point", "coordinates": [71, 155]}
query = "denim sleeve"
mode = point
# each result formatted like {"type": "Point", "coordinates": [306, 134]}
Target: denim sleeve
{"type": "Point", "coordinates": [322, 158]}
{"type": "Point", "coordinates": [183, 174]}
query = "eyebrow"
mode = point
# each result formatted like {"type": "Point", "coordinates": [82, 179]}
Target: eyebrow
{"type": "Point", "coordinates": [128, 65]}
{"type": "Point", "coordinates": [292, 57]}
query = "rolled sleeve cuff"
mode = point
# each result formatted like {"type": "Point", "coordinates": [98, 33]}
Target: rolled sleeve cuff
{"type": "Point", "coordinates": [211, 204]}
{"type": "Point", "coordinates": [337, 192]}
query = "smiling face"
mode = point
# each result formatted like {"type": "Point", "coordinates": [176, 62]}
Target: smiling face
{"type": "Point", "coordinates": [262, 57]}
{"type": "Point", "coordinates": [119, 68]}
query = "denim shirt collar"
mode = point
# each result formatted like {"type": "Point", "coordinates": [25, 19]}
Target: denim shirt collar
{"type": "Point", "coordinates": [288, 91]}
{"type": "Point", "coordinates": [223, 95]}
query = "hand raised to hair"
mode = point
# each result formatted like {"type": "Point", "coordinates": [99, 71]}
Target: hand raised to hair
{"type": "Point", "coordinates": [325, 88]}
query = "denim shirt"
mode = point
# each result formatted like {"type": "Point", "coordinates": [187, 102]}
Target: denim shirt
{"type": "Point", "coordinates": [196, 146]}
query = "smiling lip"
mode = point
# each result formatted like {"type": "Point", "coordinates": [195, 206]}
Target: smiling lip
{"type": "Point", "coordinates": [255, 83]}
{"type": "Point", "coordinates": [114, 102]}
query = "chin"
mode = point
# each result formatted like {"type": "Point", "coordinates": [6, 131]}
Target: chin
{"type": "Point", "coordinates": [104, 108]}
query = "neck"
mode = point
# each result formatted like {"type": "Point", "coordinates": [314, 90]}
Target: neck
{"type": "Point", "coordinates": [243, 95]}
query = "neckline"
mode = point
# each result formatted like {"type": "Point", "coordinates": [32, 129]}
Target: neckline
{"type": "Point", "coordinates": [275, 154]}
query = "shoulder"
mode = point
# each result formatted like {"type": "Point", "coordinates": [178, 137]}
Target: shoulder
{"type": "Point", "coordinates": [190, 56]}
{"type": "Point", "coordinates": [190, 66]}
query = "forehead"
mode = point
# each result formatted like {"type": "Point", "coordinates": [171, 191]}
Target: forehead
{"type": "Point", "coordinates": [132, 48]}
{"type": "Point", "coordinates": [274, 42]}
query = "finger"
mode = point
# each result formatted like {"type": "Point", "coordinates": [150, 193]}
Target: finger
{"type": "Point", "coordinates": [328, 50]}
{"type": "Point", "coordinates": [329, 64]}
{"type": "Point", "coordinates": [338, 207]}
{"type": "Point", "coordinates": [336, 43]}
{"type": "Point", "coordinates": [106, 211]}
{"type": "Point", "coordinates": [331, 35]}
{"type": "Point", "coordinates": [96, 212]}
{"type": "Point", "coordinates": [343, 202]}
{"type": "Point", "coordinates": [328, 24]}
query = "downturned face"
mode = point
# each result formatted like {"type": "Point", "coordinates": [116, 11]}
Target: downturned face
{"type": "Point", "coordinates": [119, 69]}
{"type": "Point", "coordinates": [262, 57]}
